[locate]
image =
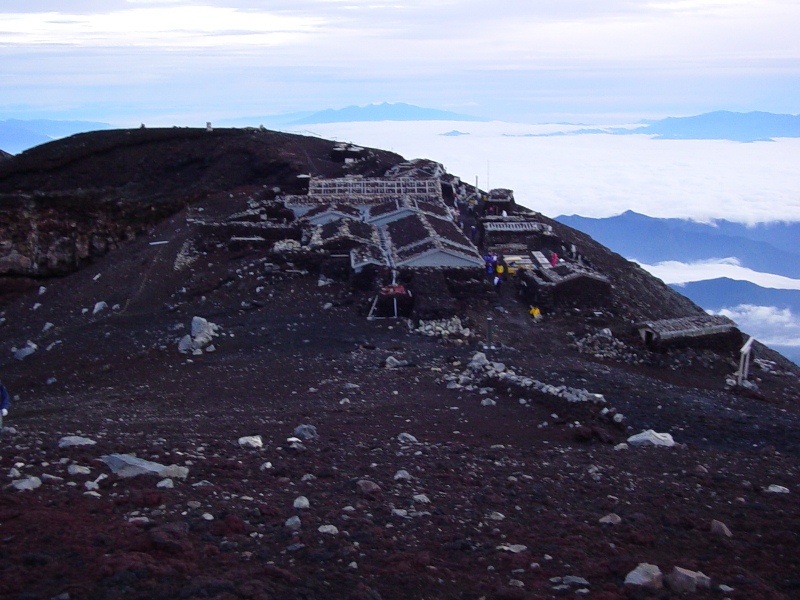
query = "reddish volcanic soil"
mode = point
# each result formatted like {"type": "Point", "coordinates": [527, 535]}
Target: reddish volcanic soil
{"type": "Point", "coordinates": [490, 501]}
{"type": "Point", "coordinates": [283, 360]}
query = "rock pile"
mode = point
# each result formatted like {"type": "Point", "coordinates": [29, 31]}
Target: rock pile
{"type": "Point", "coordinates": [447, 329]}
{"type": "Point", "coordinates": [603, 344]}
{"type": "Point", "coordinates": [481, 371]}
{"type": "Point", "coordinates": [203, 331]}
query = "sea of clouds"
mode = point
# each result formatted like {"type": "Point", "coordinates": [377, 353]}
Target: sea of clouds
{"type": "Point", "coordinates": [677, 272]}
{"type": "Point", "coordinates": [555, 172]}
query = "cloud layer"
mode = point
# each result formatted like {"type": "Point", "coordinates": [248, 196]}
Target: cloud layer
{"type": "Point", "coordinates": [680, 272]}
{"type": "Point", "coordinates": [602, 175]}
{"type": "Point", "coordinates": [775, 326]}
{"type": "Point", "coordinates": [515, 59]}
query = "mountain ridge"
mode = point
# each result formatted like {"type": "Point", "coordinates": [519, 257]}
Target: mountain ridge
{"type": "Point", "coordinates": [384, 111]}
{"type": "Point", "coordinates": [725, 125]}
{"type": "Point", "coordinates": [767, 248]}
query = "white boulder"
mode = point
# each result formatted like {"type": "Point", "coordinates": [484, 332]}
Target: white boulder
{"type": "Point", "coordinates": [25, 351]}
{"type": "Point", "coordinates": [777, 489]}
{"type": "Point", "coordinates": [75, 440]}
{"type": "Point", "coordinates": [128, 465]}
{"type": "Point", "coordinates": [251, 441]}
{"type": "Point", "coordinates": [27, 484]}
{"type": "Point", "coordinates": [645, 575]}
{"type": "Point", "coordinates": [651, 438]}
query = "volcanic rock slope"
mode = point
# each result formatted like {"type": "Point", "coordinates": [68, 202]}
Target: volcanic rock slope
{"type": "Point", "coordinates": [432, 465]}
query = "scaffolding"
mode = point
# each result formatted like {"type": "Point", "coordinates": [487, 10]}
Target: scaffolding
{"type": "Point", "coordinates": [430, 188]}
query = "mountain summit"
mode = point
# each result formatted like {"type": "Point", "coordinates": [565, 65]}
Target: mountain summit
{"type": "Point", "coordinates": [248, 364]}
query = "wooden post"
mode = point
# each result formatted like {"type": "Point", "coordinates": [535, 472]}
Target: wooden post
{"type": "Point", "coordinates": [744, 361]}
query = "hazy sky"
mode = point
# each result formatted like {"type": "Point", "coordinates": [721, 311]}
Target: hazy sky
{"type": "Point", "coordinates": [528, 60]}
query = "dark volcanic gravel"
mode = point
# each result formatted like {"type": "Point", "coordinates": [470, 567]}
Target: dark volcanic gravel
{"type": "Point", "coordinates": [490, 501]}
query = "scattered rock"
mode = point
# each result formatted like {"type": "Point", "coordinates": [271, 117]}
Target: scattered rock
{"type": "Point", "coordinates": [513, 548]}
{"type": "Point", "coordinates": [719, 528]}
{"type": "Point", "coordinates": [306, 432]}
{"type": "Point", "coordinates": [402, 475]}
{"type": "Point", "coordinates": [645, 575]}
{"type": "Point", "coordinates": [368, 488]}
{"type": "Point", "coordinates": [683, 580]}
{"type": "Point", "coordinates": [393, 363]}
{"type": "Point", "coordinates": [611, 519]}
{"type": "Point", "coordinates": [328, 529]}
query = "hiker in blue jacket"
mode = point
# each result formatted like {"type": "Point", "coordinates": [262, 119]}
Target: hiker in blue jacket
{"type": "Point", "coordinates": [5, 402]}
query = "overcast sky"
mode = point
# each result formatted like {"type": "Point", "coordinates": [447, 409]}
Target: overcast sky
{"type": "Point", "coordinates": [528, 60]}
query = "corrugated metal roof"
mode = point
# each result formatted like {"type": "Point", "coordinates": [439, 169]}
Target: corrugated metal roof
{"type": "Point", "coordinates": [692, 326]}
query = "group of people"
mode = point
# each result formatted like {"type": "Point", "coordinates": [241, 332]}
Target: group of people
{"type": "Point", "coordinates": [495, 269]}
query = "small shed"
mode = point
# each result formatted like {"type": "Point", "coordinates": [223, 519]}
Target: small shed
{"type": "Point", "coordinates": [499, 200]}
{"type": "Point", "coordinates": [566, 284]}
{"type": "Point", "coordinates": [696, 330]}
{"type": "Point", "coordinates": [501, 231]}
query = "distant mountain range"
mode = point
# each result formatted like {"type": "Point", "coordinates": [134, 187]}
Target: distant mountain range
{"type": "Point", "coordinates": [723, 125]}
{"type": "Point", "coordinates": [716, 294]}
{"type": "Point", "coordinates": [386, 111]}
{"type": "Point", "coordinates": [17, 136]}
{"type": "Point", "coordinates": [718, 125]}
{"type": "Point", "coordinates": [768, 248]}
{"type": "Point", "coordinates": [383, 112]}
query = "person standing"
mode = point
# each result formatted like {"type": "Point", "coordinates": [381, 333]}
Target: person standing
{"type": "Point", "coordinates": [5, 402]}
{"type": "Point", "coordinates": [500, 270]}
